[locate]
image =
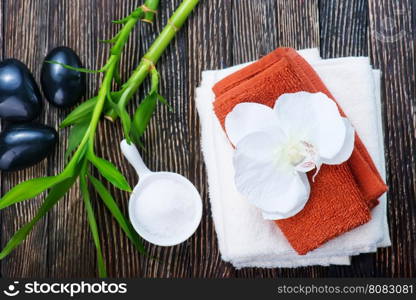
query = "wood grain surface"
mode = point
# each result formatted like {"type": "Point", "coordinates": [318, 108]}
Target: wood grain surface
{"type": "Point", "coordinates": [220, 33]}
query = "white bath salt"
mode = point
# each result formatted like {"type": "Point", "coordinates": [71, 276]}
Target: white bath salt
{"type": "Point", "coordinates": [168, 210]}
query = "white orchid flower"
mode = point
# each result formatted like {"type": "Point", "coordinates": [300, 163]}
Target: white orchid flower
{"type": "Point", "coordinates": [276, 147]}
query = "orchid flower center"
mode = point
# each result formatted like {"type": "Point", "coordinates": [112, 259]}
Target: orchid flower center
{"type": "Point", "coordinates": [298, 154]}
{"type": "Point", "coordinates": [295, 154]}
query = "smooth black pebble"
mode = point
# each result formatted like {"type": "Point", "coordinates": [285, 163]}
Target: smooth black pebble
{"type": "Point", "coordinates": [24, 145]}
{"type": "Point", "coordinates": [62, 87]}
{"type": "Point", "coordinates": [20, 98]}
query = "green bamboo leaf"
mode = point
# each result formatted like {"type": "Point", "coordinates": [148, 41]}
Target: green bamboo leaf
{"type": "Point", "coordinates": [121, 21]}
{"type": "Point", "coordinates": [75, 137]}
{"type": "Point", "coordinates": [126, 122]}
{"type": "Point", "coordinates": [137, 13]}
{"type": "Point", "coordinates": [83, 112]}
{"type": "Point", "coordinates": [82, 155]}
{"type": "Point", "coordinates": [142, 116]}
{"type": "Point", "coordinates": [102, 272]}
{"type": "Point", "coordinates": [165, 102]}
{"type": "Point", "coordinates": [82, 70]}
{"type": "Point", "coordinates": [80, 113]}
{"type": "Point", "coordinates": [117, 77]}
{"type": "Point", "coordinates": [117, 214]}
{"type": "Point", "coordinates": [110, 172]}
{"type": "Point", "coordinates": [55, 194]}
{"type": "Point", "coordinates": [154, 78]}
{"type": "Point", "coordinates": [112, 40]}
{"type": "Point", "coordinates": [30, 189]}
{"type": "Point", "coordinates": [111, 102]}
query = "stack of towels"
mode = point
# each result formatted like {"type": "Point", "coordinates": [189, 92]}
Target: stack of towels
{"type": "Point", "coordinates": [344, 225]}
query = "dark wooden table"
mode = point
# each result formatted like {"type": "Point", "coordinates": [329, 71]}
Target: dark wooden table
{"type": "Point", "coordinates": [220, 33]}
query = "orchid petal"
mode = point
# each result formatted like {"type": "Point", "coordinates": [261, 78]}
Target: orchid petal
{"type": "Point", "coordinates": [261, 146]}
{"type": "Point", "coordinates": [247, 118]}
{"type": "Point", "coordinates": [346, 150]}
{"type": "Point", "coordinates": [314, 118]}
{"type": "Point", "coordinates": [301, 194]}
{"type": "Point", "coordinates": [276, 190]}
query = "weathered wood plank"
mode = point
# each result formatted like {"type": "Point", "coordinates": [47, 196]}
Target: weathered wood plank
{"type": "Point", "coordinates": [23, 39]}
{"type": "Point", "coordinates": [392, 49]}
{"type": "Point", "coordinates": [298, 23]}
{"type": "Point", "coordinates": [343, 28]}
{"type": "Point", "coordinates": [209, 43]}
{"type": "Point", "coordinates": [254, 25]}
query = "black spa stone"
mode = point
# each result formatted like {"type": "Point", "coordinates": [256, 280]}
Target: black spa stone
{"type": "Point", "coordinates": [62, 87]}
{"type": "Point", "coordinates": [24, 145]}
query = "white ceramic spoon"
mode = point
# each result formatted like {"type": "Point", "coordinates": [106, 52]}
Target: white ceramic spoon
{"type": "Point", "coordinates": [154, 183]}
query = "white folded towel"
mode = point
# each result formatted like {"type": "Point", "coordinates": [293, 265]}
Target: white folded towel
{"type": "Point", "coordinates": [247, 240]}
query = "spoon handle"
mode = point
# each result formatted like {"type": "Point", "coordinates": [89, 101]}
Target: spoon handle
{"type": "Point", "coordinates": [133, 156]}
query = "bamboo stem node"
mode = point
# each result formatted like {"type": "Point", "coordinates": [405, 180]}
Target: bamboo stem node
{"type": "Point", "coordinates": [147, 21]}
{"type": "Point", "coordinates": [150, 62]}
{"type": "Point", "coordinates": [173, 26]}
{"type": "Point", "coordinates": [146, 9]}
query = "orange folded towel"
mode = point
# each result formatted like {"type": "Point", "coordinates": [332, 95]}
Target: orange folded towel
{"type": "Point", "coordinates": [341, 196]}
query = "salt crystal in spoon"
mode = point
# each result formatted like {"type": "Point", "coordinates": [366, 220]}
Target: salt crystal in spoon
{"type": "Point", "coordinates": [165, 208]}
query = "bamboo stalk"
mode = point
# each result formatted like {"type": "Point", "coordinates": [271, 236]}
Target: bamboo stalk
{"type": "Point", "coordinates": [153, 54]}
{"type": "Point", "coordinates": [149, 14]}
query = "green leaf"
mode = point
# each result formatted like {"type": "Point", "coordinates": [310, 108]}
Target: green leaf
{"type": "Point", "coordinates": [30, 189]}
{"type": "Point", "coordinates": [126, 122]}
{"type": "Point", "coordinates": [55, 194]}
{"type": "Point", "coordinates": [110, 172]}
{"type": "Point", "coordinates": [117, 214]}
{"type": "Point", "coordinates": [111, 102]}
{"type": "Point", "coordinates": [75, 137]}
{"type": "Point", "coordinates": [80, 113]}
{"type": "Point", "coordinates": [121, 21]}
{"type": "Point", "coordinates": [164, 101]}
{"type": "Point", "coordinates": [82, 70]}
{"type": "Point", "coordinates": [112, 40]}
{"type": "Point", "coordinates": [117, 77]}
{"type": "Point", "coordinates": [142, 116]}
{"type": "Point", "coordinates": [137, 13]}
{"type": "Point", "coordinates": [154, 77]}
{"type": "Point", "coordinates": [83, 112]}
{"type": "Point", "coordinates": [93, 225]}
